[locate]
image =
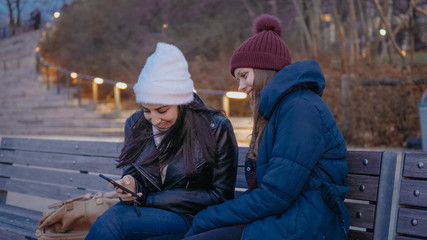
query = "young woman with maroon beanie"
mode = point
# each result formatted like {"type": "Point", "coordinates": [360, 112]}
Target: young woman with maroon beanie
{"type": "Point", "coordinates": [296, 166]}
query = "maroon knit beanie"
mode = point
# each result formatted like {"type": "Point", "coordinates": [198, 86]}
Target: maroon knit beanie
{"type": "Point", "coordinates": [265, 49]}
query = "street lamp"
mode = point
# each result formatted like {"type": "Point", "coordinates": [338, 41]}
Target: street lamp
{"type": "Point", "coordinates": [56, 15]}
{"type": "Point", "coordinates": [383, 32]}
{"type": "Point", "coordinates": [96, 81]}
{"type": "Point", "coordinates": [226, 100]}
{"type": "Point", "coordinates": [117, 87]}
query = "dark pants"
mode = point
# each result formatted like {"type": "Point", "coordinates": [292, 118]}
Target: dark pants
{"type": "Point", "coordinates": [225, 233]}
{"type": "Point", "coordinates": [121, 222]}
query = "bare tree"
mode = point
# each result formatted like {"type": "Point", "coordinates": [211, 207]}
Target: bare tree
{"type": "Point", "coordinates": [341, 36]}
{"type": "Point", "coordinates": [12, 21]}
{"type": "Point", "coordinates": [305, 29]}
{"type": "Point", "coordinates": [387, 24]}
{"type": "Point", "coordinates": [415, 3]}
{"type": "Point", "coordinates": [354, 36]}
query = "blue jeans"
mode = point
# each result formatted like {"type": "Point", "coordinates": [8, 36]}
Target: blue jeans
{"type": "Point", "coordinates": [225, 233]}
{"type": "Point", "coordinates": [122, 222]}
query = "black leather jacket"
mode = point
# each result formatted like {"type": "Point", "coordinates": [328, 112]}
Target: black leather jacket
{"type": "Point", "coordinates": [178, 193]}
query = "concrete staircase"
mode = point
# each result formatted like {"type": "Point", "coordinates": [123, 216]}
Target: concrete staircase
{"type": "Point", "coordinates": [29, 109]}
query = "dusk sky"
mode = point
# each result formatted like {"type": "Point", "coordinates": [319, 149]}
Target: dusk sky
{"type": "Point", "coordinates": [47, 8]}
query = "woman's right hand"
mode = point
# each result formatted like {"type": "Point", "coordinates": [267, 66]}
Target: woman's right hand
{"type": "Point", "coordinates": [128, 182]}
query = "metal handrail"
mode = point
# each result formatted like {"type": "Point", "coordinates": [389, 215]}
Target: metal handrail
{"type": "Point", "coordinates": [42, 62]}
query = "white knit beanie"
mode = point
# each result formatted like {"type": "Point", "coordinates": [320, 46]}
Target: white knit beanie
{"type": "Point", "coordinates": [165, 78]}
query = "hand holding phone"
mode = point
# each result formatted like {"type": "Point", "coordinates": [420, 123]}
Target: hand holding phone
{"type": "Point", "coordinates": [120, 186]}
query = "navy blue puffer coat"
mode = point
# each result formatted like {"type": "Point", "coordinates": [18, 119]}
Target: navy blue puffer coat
{"type": "Point", "coordinates": [301, 170]}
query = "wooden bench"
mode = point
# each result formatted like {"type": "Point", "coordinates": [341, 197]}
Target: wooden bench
{"type": "Point", "coordinates": [412, 208]}
{"type": "Point", "coordinates": [59, 169]}
{"type": "Point", "coordinates": [34, 170]}
{"type": "Point", "coordinates": [369, 200]}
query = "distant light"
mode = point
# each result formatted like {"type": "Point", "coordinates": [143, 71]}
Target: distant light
{"type": "Point", "coordinates": [403, 52]}
{"type": "Point", "coordinates": [165, 25]}
{"type": "Point", "coordinates": [37, 49]}
{"type": "Point", "coordinates": [236, 95]}
{"type": "Point", "coordinates": [98, 80]}
{"type": "Point", "coordinates": [56, 14]}
{"type": "Point", "coordinates": [364, 54]}
{"type": "Point", "coordinates": [383, 32]}
{"type": "Point", "coordinates": [121, 85]}
{"type": "Point", "coordinates": [73, 75]}
{"type": "Point", "coordinates": [325, 17]}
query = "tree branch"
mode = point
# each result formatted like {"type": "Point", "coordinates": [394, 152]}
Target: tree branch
{"type": "Point", "coordinates": [414, 4]}
{"type": "Point", "coordinates": [388, 28]}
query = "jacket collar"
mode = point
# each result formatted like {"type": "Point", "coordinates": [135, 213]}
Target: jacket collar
{"type": "Point", "coordinates": [291, 75]}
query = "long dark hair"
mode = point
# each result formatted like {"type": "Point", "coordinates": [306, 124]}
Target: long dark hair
{"type": "Point", "coordinates": [192, 128]}
{"type": "Point", "coordinates": [261, 78]}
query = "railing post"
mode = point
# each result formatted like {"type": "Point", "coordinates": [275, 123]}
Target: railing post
{"type": "Point", "coordinates": [226, 104]}
{"type": "Point", "coordinates": [79, 92]}
{"type": "Point", "coordinates": [117, 102]}
{"type": "Point", "coordinates": [37, 62]}
{"type": "Point", "coordinates": [58, 90]}
{"type": "Point", "coordinates": [95, 94]}
{"type": "Point", "coordinates": [46, 73]}
{"type": "Point", "coordinates": [67, 86]}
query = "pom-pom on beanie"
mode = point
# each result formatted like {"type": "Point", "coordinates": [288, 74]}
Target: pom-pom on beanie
{"type": "Point", "coordinates": [165, 78]}
{"type": "Point", "coordinates": [265, 49]}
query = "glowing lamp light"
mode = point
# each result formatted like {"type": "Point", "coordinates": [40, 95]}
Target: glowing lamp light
{"type": "Point", "coordinates": [165, 25]}
{"type": "Point", "coordinates": [56, 14]}
{"type": "Point", "coordinates": [325, 17]}
{"type": "Point", "coordinates": [383, 32]}
{"type": "Point", "coordinates": [236, 95]}
{"type": "Point", "coordinates": [121, 85]}
{"type": "Point", "coordinates": [73, 75]}
{"type": "Point", "coordinates": [98, 80]}
{"type": "Point", "coordinates": [403, 52]}
{"type": "Point", "coordinates": [37, 49]}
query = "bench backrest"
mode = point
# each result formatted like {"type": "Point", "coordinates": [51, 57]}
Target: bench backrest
{"type": "Point", "coordinates": [56, 169]}
{"type": "Point", "coordinates": [60, 169]}
{"type": "Point", "coordinates": [412, 213]}
{"type": "Point", "coordinates": [371, 177]}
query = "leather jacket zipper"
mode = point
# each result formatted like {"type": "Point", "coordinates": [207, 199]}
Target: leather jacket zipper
{"type": "Point", "coordinates": [147, 177]}
{"type": "Point", "coordinates": [180, 179]}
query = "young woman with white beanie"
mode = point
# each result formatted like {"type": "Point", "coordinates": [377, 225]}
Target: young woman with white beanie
{"type": "Point", "coordinates": [178, 155]}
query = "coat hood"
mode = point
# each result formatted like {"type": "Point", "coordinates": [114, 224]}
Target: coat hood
{"type": "Point", "coordinates": [285, 79]}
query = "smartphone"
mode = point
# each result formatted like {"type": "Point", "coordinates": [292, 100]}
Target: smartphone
{"type": "Point", "coordinates": [119, 186]}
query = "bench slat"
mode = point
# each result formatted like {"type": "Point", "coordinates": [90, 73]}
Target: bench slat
{"type": "Point", "coordinates": [356, 183]}
{"type": "Point", "coordinates": [415, 165]}
{"type": "Point", "coordinates": [407, 238]}
{"type": "Point", "coordinates": [62, 161]}
{"type": "Point", "coordinates": [407, 192]}
{"type": "Point", "coordinates": [90, 148]}
{"type": "Point", "coordinates": [241, 180]}
{"type": "Point", "coordinates": [406, 216]}
{"type": "Point", "coordinates": [42, 190]}
{"type": "Point", "coordinates": [361, 215]}
{"type": "Point", "coordinates": [242, 156]}
{"type": "Point", "coordinates": [66, 179]}
{"type": "Point", "coordinates": [30, 214]}
{"type": "Point", "coordinates": [21, 224]}
{"type": "Point", "coordinates": [363, 162]}
{"type": "Point", "coordinates": [359, 235]}
{"type": "Point", "coordinates": [6, 234]}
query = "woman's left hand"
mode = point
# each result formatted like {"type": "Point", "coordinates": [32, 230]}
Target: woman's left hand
{"type": "Point", "coordinates": [128, 182]}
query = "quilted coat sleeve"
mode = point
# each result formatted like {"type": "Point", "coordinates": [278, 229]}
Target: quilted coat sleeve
{"type": "Point", "coordinates": [296, 144]}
